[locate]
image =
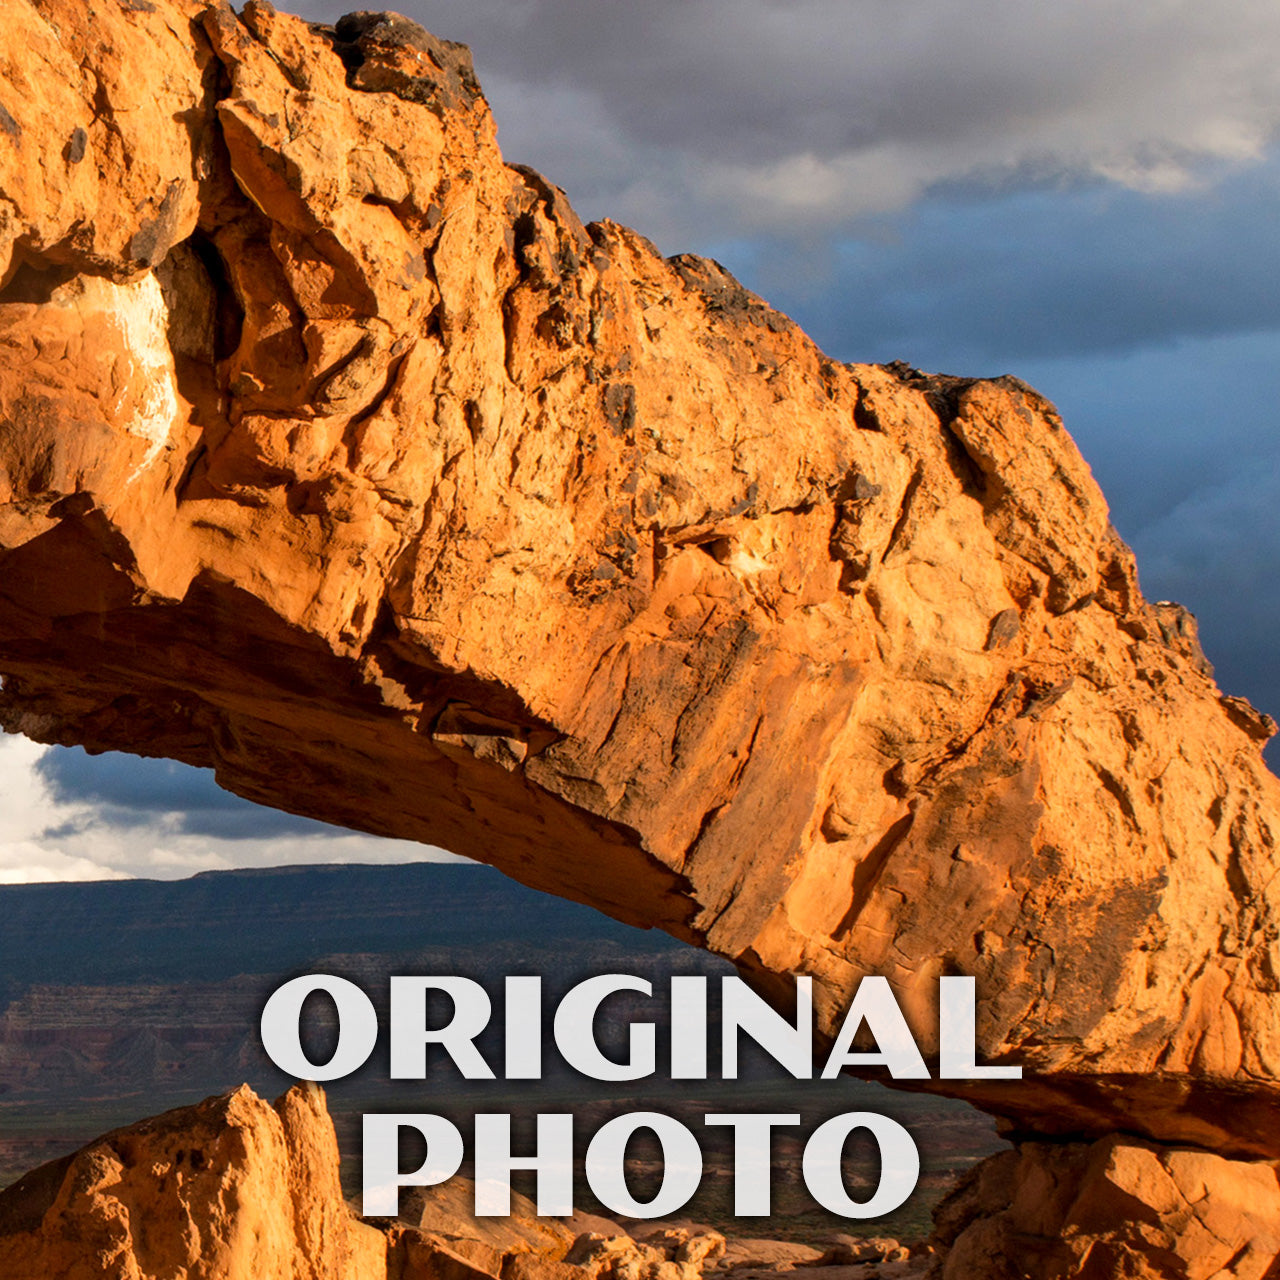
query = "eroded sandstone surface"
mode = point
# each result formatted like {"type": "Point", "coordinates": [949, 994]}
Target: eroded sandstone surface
{"type": "Point", "coordinates": [1117, 1207]}
{"type": "Point", "coordinates": [337, 454]}
{"type": "Point", "coordinates": [232, 1189]}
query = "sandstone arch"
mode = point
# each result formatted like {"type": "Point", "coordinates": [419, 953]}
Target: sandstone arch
{"type": "Point", "coordinates": [337, 454]}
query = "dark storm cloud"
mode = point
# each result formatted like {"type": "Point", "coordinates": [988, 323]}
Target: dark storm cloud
{"type": "Point", "coordinates": [972, 285]}
{"type": "Point", "coordinates": [1218, 552]}
{"type": "Point", "coordinates": [130, 791]}
{"type": "Point", "coordinates": [1185, 442]}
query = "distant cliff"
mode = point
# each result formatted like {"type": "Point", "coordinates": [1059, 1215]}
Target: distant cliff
{"type": "Point", "coordinates": [339, 455]}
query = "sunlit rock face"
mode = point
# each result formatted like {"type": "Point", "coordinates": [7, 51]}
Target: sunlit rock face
{"type": "Point", "coordinates": [337, 454]}
{"type": "Point", "coordinates": [232, 1189]}
{"type": "Point", "coordinates": [1118, 1207]}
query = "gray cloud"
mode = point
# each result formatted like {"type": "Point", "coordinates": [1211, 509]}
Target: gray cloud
{"type": "Point", "coordinates": [129, 791]}
{"type": "Point", "coordinates": [687, 117]}
{"type": "Point", "coordinates": [70, 816]}
{"type": "Point", "coordinates": [1218, 552]}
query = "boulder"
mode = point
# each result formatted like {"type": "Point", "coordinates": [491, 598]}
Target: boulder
{"type": "Point", "coordinates": [1117, 1207]}
{"type": "Point", "coordinates": [447, 1211]}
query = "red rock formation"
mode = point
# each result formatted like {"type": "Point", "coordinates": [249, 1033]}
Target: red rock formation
{"type": "Point", "coordinates": [1119, 1207]}
{"type": "Point", "coordinates": [232, 1189]}
{"type": "Point", "coordinates": [338, 455]}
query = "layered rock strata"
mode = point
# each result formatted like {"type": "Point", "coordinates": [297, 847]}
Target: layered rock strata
{"type": "Point", "coordinates": [338, 455]}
